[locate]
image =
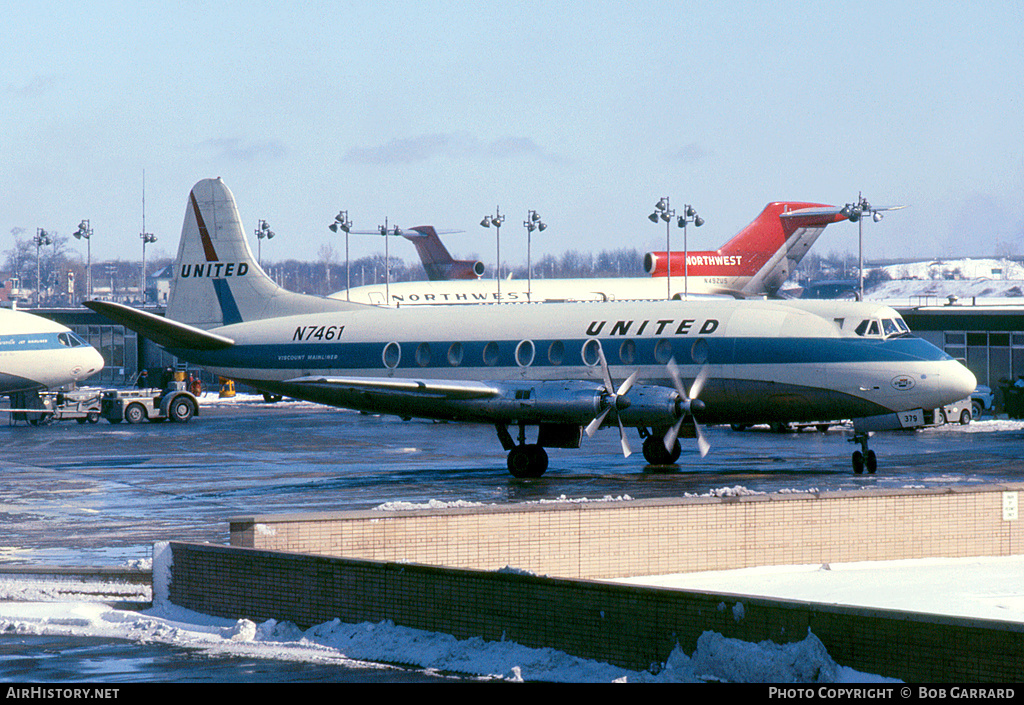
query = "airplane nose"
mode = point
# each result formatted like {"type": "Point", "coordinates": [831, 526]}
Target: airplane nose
{"type": "Point", "coordinates": [962, 381]}
{"type": "Point", "coordinates": [92, 363]}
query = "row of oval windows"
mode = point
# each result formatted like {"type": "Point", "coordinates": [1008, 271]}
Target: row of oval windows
{"type": "Point", "coordinates": [526, 353]}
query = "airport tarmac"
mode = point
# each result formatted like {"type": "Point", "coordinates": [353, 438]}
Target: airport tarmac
{"type": "Point", "coordinates": [103, 494]}
{"type": "Point", "coordinates": [81, 494]}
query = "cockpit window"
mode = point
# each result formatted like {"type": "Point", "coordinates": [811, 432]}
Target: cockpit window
{"type": "Point", "coordinates": [885, 327]}
{"type": "Point", "coordinates": [70, 340]}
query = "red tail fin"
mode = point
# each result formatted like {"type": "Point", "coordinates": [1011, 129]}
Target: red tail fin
{"type": "Point", "coordinates": [436, 259]}
{"type": "Point", "coordinates": [754, 246]}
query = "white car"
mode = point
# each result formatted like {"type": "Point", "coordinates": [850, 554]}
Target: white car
{"type": "Point", "coordinates": [982, 400]}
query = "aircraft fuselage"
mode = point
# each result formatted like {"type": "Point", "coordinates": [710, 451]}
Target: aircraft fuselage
{"type": "Point", "coordinates": [764, 360]}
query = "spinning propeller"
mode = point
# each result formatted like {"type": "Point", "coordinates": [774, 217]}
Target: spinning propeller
{"type": "Point", "coordinates": [613, 398]}
{"type": "Point", "coordinates": [689, 404]}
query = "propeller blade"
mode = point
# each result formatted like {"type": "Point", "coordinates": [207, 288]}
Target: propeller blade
{"type": "Point", "coordinates": [698, 384]}
{"type": "Point", "coordinates": [691, 404]}
{"type": "Point", "coordinates": [596, 423]}
{"type": "Point", "coordinates": [672, 434]}
{"type": "Point", "coordinates": [702, 443]}
{"type": "Point", "coordinates": [673, 370]}
{"type": "Point", "coordinates": [626, 450]}
{"type": "Point", "coordinates": [604, 370]}
{"type": "Point", "coordinates": [628, 384]}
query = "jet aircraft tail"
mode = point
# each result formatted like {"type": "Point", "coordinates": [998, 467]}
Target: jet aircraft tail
{"type": "Point", "coordinates": [437, 261]}
{"type": "Point", "coordinates": [217, 281]}
{"type": "Point", "coordinates": [760, 257]}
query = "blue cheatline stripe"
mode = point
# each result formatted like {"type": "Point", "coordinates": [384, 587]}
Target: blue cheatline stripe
{"type": "Point", "coordinates": [341, 356]}
{"type": "Point", "coordinates": [228, 308]}
{"type": "Point", "coordinates": [20, 342]}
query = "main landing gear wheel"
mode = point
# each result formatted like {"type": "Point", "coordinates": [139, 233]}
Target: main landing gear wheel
{"type": "Point", "coordinates": [527, 461]}
{"type": "Point", "coordinates": [655, 452]}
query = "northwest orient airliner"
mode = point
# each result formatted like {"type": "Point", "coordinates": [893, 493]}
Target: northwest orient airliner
{"type": "Point", "coordinates": [38, 354]}
{"type": "Point", "coordinates": [564, 369]}
{"type": "Point", "coordinates": [754, 263]}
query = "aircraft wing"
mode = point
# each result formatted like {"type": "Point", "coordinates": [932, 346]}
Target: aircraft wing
{"type": "Point", "coordinates": [162, 331]}
{"type": "Point", "coordinates": [442, 389]}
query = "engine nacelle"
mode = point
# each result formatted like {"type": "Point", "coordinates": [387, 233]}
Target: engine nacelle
{"type": "Point", "coordinates": [575, 402]}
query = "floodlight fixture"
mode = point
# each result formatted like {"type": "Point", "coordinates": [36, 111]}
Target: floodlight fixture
{"type": "Point", "coordinates": [496, 220]}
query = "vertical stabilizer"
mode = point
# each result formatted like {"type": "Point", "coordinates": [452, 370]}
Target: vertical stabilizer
{"type": "Point", "coordinates": [759, 258]}
{"type": "Point", "coordinates": [217, 281]}
{"type": "Point", "coordinates": [437, 261]}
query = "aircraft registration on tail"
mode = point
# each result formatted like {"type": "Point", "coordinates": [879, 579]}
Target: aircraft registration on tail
{"type": "Point", "coordinates": [663, 368]}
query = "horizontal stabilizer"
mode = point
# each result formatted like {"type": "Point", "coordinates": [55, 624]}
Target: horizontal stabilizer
{"type": "Point", "coordinates": [446, 389]}
{"type": "Point", "coordinates": [162, 331]}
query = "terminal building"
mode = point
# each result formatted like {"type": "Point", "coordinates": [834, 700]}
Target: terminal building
{"type": "Point", "coordinates": [990, 339]}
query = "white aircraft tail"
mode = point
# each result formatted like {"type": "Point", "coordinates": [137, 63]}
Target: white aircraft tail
{"type": "Point", "coordinates": [217, 281]}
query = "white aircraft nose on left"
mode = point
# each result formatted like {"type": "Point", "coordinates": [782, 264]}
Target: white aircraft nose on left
{"type": "Point", "coordinates": [85, 361]}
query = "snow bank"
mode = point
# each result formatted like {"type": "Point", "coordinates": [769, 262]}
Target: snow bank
{"type": "Point", "coordinates": [716, 658]}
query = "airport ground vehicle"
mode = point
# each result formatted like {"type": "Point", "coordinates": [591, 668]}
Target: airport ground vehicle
{"type": "Point", "coordinates": [982, 400]}
{"type": "Point", "coordinates": [174, 402]}
{"type": "Point", "coordinates": [82, 405]}
{"type": "Point", "coordinates": [958, 412]}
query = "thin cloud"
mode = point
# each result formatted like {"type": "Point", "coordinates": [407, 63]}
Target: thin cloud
{"type": "Point", "coordinates": [238, 150]}
{"type": "Point", "coordinates": [692, 152]}
{"type": "Point", "coordinates": [452, 145]}
{"type": "Point", "coordinates": [39, 85]}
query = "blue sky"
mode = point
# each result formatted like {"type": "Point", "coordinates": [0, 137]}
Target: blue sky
{"type": "Point", "coordinates": [440, 112]}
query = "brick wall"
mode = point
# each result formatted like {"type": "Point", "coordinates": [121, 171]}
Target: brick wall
{"type": "Point", "coordinates": [600, 540]}
{"type": "Point", "coordinates": [438, 570]}
{"type": "Point", "coordinates": [631, 626]}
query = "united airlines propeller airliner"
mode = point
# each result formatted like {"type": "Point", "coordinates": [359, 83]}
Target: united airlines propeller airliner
{"type": "Point", "coordinates": [663, 368]}
{"type": "Point", "coordinates": [38, 354]}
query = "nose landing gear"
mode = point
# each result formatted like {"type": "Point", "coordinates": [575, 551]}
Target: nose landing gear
{"type": "Point", "coordinates": [865, 457]}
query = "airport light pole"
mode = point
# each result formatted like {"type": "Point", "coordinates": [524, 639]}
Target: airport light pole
{"type": "Point", "coordinates": [41, 238]}
{"type": "Point", "coordinates": [85, 232]}
{"type": "Point", "coordinates": [663, 211]}
{"type": "Point", "coordinates": [387, 257]}
{"type": "Point", "coordinates": [262, 231]}
{"type": "Point", "coordinates": [689, 216]}
{"type": "Point", "coordinates": [856, 213]}
{"type": "Point", "coordinates": [496, 220]}
{"type": "Point", "coordinates": [146, 238]}
{"type": "Point", "coordinates": [532, 222]}
{"type": "Point", "coordinates": [341, 222]}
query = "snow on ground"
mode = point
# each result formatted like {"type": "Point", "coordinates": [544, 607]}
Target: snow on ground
{"type": "Point", "coordinates": [716, 657]}
{"type": "Point", "coordinates": [68, 607]}
{"type": "Point", "coordinates": [974, 587]}
{"type": "Point", "coordinates": [981, 588]}
{"type": "Point", "coordinates": [987, 269]}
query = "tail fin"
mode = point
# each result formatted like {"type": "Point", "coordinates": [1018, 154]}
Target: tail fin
{"type": "Point", "coordinates": [436, 259]}
{"type": "Point", "coordinates": [217, 281]}
{"type": "Point", "coordinates": [764, 252]}
{"type": "Point", "coordinates": [795, 227]}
